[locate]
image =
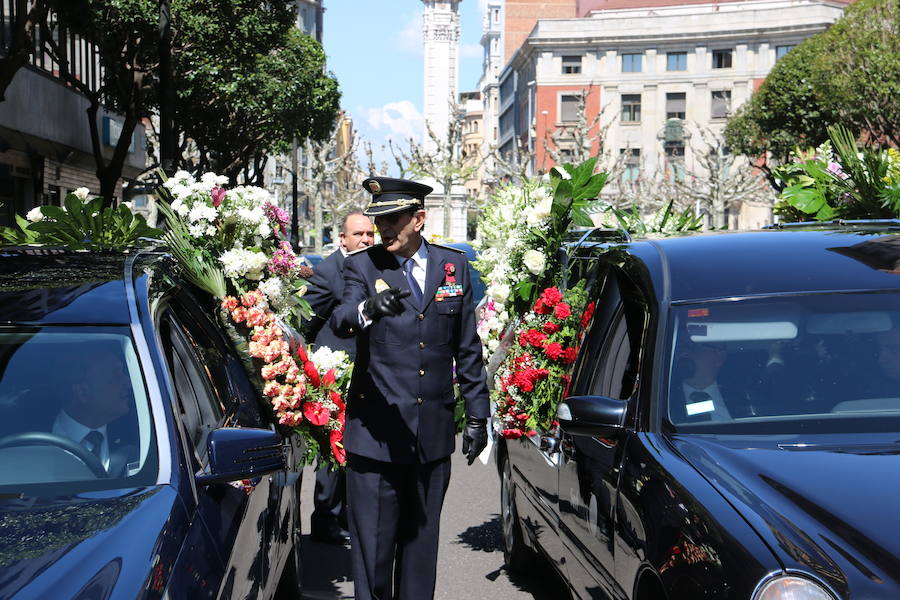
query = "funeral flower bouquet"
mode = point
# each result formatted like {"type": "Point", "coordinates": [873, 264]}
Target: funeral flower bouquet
{"type": "Point", "coordinates": [521, 232]}
{"type": "Point", "coordinates": [535, 373]}
{"type": "Point", "coordinates": [229, 243]}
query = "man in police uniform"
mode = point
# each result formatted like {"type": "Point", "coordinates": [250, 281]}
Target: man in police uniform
{"type": "Point", "coordinates": [328, 522]}
{"type": "Point", "coordinates": [410, 305]}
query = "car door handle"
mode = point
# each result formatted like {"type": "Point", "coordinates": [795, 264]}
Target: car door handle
{"type": "Point", "coordinates": [549, 444]}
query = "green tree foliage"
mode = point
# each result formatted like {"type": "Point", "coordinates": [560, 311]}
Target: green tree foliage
{"type": "Point", "coordinates": [849, 74]}
{"type": "Point", "coordinates": [124, 31]}
{"type": "Point", "coordinates": [858, 77]}
{"type": "Point", "coordinates": [785, 111]}
{"type": "Point", "coordinates": [248, 82]}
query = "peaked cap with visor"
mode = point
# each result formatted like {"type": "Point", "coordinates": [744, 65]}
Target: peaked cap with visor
{"type": "Point", "coordinates": [390, 195]}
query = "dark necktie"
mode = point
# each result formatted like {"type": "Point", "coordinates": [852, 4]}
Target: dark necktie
{"type": "Point", "coordinates": [696, 397]}
{"type": "Point", "coordinates": [413, 284]}
{"type": "Point", "coordinates": [93, 442]}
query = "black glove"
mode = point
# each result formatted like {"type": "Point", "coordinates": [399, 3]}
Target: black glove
{"type": "Point", "coordinates": [475, 438]}
{"type": "Point", "coordinates": [384, 304]}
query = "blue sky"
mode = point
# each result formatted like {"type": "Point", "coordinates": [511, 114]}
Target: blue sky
{"type": "Point", "coordinates": [374, 47]}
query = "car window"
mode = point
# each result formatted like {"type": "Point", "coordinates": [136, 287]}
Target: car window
{"type": "Point", "coordinates": [609, 377]}
{"type": "Point", "coordinates": [198, 407]}
{"type": "Point", "coordinates": [808, 364]}
{"type": "Point", "coordinates": [74, 410]}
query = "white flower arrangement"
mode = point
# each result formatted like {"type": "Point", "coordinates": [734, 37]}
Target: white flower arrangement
{"type": "Point", "coordinates": [239, 262]}
{"type": "Point", "coordinates": [325, 358]}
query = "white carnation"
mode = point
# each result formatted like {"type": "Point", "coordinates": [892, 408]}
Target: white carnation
{"type": "Point", "coordinates": [493, 345]}
{"type": "Point", "coordinates": [34, 215]}
{"type": "Point", "coordinates": [243, 263]}
{"type": "Point", "coordinates": [82, 193]}
{"type": "Point", "coordinates": [534, 261]}
{"type": "Point", "coordinates": [264, 230]}
{"type": "Point", "coordinates": [273, 288]}
{"type": "Point", "coordinates": [325, 358]}
{"type": "Point", "coordinates": [202, 212]}
{"type": "Point", "coordinates": [252, 216]}
{"type": "Point", "coordinates": [539, 214]}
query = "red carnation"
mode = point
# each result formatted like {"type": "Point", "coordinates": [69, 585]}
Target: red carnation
{"type": "Point", "coordinates": [562, 310]}
{"type": "Point", "coordinates": [315, 413]}
{"type": "Point", "coordinates": [301, 354]}
{"type": "Point", "coordinates": [588, 313]}
{"type": "Point", "coordinates": [329, 379]}
{"type": "Point", "coordinates": [550, 327]}
{"type": "Point", "coordinates": [540, 308]}
{"type": "Point", "coordinates": [554, 350]}
{"type": "Point", "coordinates": [311, 373]}
{"type": "Point", "coordinates": [551, 296]}
{"type": "Point", "coordinates": [338, 401]}
{"type": "Point", "coordinates": [569, 355]}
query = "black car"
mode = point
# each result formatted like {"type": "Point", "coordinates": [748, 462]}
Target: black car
{"type": "Point", "coordinates": [732, 429]}
{"type": "Point", "coordinates": [135, 460]}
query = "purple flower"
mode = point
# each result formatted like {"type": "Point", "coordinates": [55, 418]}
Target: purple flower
{"type": "Point", "coordinates": [277, 216]}
{"type": "Point", "coordinates": [284, 261]}
{"type": "Point", "coordinates": [835, 169]}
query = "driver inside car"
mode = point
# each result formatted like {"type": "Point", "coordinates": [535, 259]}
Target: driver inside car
{"type": "Point", "coordinates": [99, 394]}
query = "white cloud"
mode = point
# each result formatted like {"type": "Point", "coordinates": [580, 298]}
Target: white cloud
{"type": "Point", "coordinates": [409, 39]}
{"type": "Point", "coordinates": [396, 120]}
{"type": "Point", "coordinates": [471, 51]}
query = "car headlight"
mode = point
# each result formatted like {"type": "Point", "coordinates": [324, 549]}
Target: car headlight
{"type": "Point", "coordinates": [791, 587]}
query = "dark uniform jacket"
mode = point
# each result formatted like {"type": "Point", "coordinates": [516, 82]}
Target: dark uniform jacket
{"type": "Point", "coordinates": [326, 288]}
{"type": "Point", "coordinates": [401, 400]}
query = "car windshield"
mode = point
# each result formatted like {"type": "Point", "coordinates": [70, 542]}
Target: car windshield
{"type": "Point", "coordinates": [74, 413]}
{"type": "Point", "coordinates": [824, 363]}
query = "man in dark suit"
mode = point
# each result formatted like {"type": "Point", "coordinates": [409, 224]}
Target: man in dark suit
{"type": "Point", "coordinates": [326, 288]}
{"type": "Point", "coordinates": [98, 396]}
{"type": "Point", "coordinates": [410, 305]}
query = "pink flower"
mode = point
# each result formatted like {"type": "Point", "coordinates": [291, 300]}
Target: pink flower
{"type": "Point", "coordinates": [239, 314]}
{"type": "Point", "coordinates": [229, 303]}
{"type": "Point", "coordinates": [218, 194]}
{"type": "Point", "coordinates": [291, 419]}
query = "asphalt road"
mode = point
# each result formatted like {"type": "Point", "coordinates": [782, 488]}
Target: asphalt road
{"type": "Point", "coordinates": [470, 562]}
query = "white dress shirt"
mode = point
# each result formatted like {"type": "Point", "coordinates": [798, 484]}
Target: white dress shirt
{"type": "Point", "coordinates": [714, 407]}
{"type": "Point", "coordinates": [67, 427]}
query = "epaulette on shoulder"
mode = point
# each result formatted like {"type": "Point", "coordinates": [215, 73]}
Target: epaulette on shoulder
{"type": "Point", "coordinates": [448, 247]}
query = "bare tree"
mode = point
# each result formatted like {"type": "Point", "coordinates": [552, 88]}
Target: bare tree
{"type": "Point", "coordinates": [514, 166]}
{"type": "Point", "coordinates": [720, 180]}
{"type": "Point", "coordinates": [447, 164]}
{"type": "Point", "coordinates": [328, 180]}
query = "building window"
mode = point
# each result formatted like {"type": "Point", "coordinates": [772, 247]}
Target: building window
{"type": "Point", "coordinates": [631, 108]}
{"type": "Point", "coordinates": [721, 59]}
{"type": "Point", "coordinates": [632, 163]}
{"type": "Point", "coordinates": [568, 108]}
{"type": "Point", "coordinates": [631, 63]}
{"type": "Point", "coordinates": [571, 65]}
{"type": "Point", "coordinates": [782, 50]}
{"type": "Point", "coordinates": [676, 61]}
{"type": "Point", "coordinates": [676, 105]}
{"type": "Point", "coordinates": [721, 104]}
{"type": "Point", "coordinates": [506, 121]}
{"type": "Point", "coordinates": [675, 162]}
{"type": "Point", "coordinates": [496, 12]}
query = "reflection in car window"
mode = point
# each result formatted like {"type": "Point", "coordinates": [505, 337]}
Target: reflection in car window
{"type": "Point", "coordinates": [816, 363]}
{"type": "Point", "coordinates": [199, 409]}
{"type": "Point", "coordinates": [73, 408]}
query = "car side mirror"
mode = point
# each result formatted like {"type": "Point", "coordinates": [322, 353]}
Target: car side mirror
{"type": "Point", "coordinates": [242, 453]}
{"type": "Point", "coordinates": [595, 416]}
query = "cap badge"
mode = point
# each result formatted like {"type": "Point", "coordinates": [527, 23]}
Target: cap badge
{"type": "Point", "coordinates": [374, 187]}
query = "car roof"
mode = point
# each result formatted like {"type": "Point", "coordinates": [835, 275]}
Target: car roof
{"type": "Point", "coordinates": [46, 285]}
{"type": "Point", "coordinates": [734, 264]}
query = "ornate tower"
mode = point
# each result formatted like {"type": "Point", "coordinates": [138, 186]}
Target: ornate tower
{"type": "Point", "coordinates": [440, 31]}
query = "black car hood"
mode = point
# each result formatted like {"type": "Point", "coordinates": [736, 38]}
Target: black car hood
{"type": "Point", "coordinates": [100, 546]}
{"type": "Point", "coordinates": [826, 508]}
